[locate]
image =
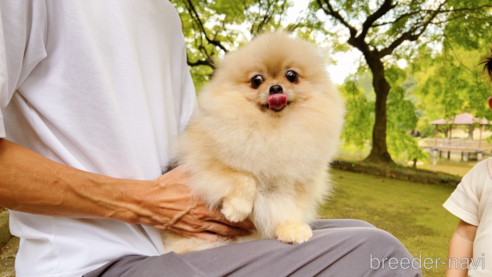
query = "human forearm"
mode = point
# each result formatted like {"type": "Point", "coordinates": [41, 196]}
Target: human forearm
{"type": "Point", "coordinates": [461, 246]}
{"type": "Point", "coordinates": [34, 184]}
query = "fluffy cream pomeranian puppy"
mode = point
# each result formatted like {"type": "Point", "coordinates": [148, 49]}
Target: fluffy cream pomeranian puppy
{"type": "Point", "coordinates": [260, 144]}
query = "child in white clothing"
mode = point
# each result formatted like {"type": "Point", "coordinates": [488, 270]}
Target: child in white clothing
{"type": "Point", "coordinates": [470, 249]}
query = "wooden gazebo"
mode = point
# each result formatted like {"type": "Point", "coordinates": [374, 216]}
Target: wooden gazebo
{"type": "Point", "coordinates": [469, 145]}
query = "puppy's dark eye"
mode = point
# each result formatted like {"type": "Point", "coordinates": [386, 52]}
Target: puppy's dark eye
{"type": "Point", "coordinates": [256, 81]}
{"type": "Point", "coordinates": [292, 76]}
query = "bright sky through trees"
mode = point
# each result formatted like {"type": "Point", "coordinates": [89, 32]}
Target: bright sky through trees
{"type": "Point", "coordinates": [346, 62]}
{"type": "Point", "coordinates": [389, 33]}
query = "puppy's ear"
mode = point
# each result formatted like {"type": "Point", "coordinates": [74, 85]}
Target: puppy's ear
{"type": "Point", "coordinates": [487, 64]}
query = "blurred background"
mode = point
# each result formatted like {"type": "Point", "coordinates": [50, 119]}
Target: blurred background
{"type": "Point", "coordinates": [416, 95]}
{"type": "Point", "coordinates": [427, 52]}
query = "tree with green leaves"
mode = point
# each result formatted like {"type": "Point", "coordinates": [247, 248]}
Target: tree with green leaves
{"type": "Point", "coordinates": [213, 28]}
{"type": "Point", "coordinates": [382, 30]}
{"type": "Point", "coordinates": [402, 113]}
{"type": "Point", "coordinates": [452, 82]}
{"type": "Point", "coordinates": [386, 30]}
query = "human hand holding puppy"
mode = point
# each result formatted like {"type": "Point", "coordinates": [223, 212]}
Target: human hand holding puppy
{"type": "Point", "coordinates": [189, 216]}
{"type": "Point", "coordinates": [34, 184]}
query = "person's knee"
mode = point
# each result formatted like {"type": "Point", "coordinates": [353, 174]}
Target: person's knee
{"type": "Point", "coordinates": [360, 223]}
{"type": "Point", "coordinates": [384, 243]}
{"type": "Point", "coordinates": [375, 251]}
{"type": "Point", "coordinates": [340, 223]}
{"type": "Point", "coordinates": [387, 254]}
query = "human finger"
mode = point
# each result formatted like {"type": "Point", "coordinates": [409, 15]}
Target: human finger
{"type": "Point", "coordinates": [211, 237]}
{"type": "Point", "coordinates": [191, 223]}
{"type": "Point", "coordinates": [217, 216]}
{"type": "Point", "coordinates": [226, 230]}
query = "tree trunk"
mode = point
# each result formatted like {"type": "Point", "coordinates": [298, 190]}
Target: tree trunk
{"type": "Point", "coordinates": [379, 152]}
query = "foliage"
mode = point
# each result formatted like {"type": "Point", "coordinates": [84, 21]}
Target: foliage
{"type": "Point", "coordinates": [400, 28]}
{"type": "Point", "coordinates": [360, 115]}
{"type": "Point", "coordinates": [402, 117]}
{"type": "Point", "coordinates": [385, 31]}
{"type": "Point", "coordinates": [402, 114]}
{"type": "Point", "coordinates": [453, 83]}
{"type": "Point", "coordinates": [215, 27]}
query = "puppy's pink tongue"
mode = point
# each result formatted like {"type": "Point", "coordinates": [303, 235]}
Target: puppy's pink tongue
{"type": "Point", "coordinates": [277, 101]}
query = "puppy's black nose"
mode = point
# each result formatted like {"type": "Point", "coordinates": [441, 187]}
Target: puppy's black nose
{"type": "Point", "coordinates": [276, 89]}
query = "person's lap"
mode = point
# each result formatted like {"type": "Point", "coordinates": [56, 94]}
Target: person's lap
{"type": "Point", "coordinates": [338, 248]}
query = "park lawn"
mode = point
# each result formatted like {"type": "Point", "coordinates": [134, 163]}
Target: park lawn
{"type": "Point", "coordinates": [410, 211]}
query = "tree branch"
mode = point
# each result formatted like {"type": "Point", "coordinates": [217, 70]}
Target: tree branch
{"type": "Point", "coordinates": [266, 17]}
{"type": "Point", "coordinates": [385, 7]}
{"type": "Point", "coordinates": [399, 18]}
{"type": "Point", "coordinates": [252, 29]}
{"type": "Point", "coordinates": [196, 18]}
{"type": "Point", "coordinates": [282, 13]}
{"type": "Point", "coordinates": [430, 11]}
{"type": "Point", "coordinates": [410, 35]}
{"type": "Point", "coordinates": [465, 9]}
{"type": "Point", "coordinates": [200, 62]}
{"type": "Point", "coordinates": [456, 56]}
{"type": "Point", "coordinates": [456, 17]}
{"type": "Point", "coordinates": [335, 14]}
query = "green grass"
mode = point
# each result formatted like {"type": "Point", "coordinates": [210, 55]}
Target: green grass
{"type": "Point", "coordinates": [410, 211]}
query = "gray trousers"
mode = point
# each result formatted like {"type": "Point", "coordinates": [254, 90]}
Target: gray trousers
{"type": "Point", "coordinates": [339, 248]}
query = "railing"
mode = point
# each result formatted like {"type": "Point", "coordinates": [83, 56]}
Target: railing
{"type": "Point", "coordinates": [458, 144]}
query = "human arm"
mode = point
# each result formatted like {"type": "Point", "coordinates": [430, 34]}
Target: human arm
{"type": "Point", "coordinates": [465, 203]}
{"type": "Point", "coordinates": [34, 184]}
{"type": "Point", "coordinates": [461, 246]}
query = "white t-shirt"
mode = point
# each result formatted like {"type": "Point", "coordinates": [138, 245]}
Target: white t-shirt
{"type": "Point", "coordinates": [101, 86]}
{"type": "Point", "coordinates": [472, 203]}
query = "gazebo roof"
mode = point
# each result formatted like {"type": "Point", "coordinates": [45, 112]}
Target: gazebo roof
{"type": "Point", "coordinates": [461, 119]}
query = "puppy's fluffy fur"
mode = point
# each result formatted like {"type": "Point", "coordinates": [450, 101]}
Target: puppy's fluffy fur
{"type": "Point", "coordinates": [253, 161]}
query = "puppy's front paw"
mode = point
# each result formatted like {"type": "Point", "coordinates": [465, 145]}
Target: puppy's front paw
{"type": "Point", "coordinates": [236, 209]}
{"type": "Point", "coordinates": [294, 233]}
